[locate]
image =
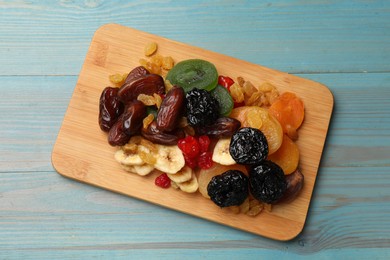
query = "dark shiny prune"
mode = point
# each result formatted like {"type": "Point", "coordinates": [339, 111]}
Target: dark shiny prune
{"type": "Point", "coordinates": [153, 134]}
{"type": "Point", "coordinates": [202, 108]}
{"type": "Point", "coordinates": [222, 127]}
{"type": "Point", "coordinates": [171, 109]}
{"type": "Point", "coordinates": [133, 116]}
{"type": "Point", "coordinates": [228, 189]}
{"type": "Point", "coordinates": [248, 146]}
{"type": "Point", "coordinates": [267, 182]}
{"type": "Point", "coordinates": [110, 108]}
{"type": "Point", "coordinates": [116, 135]}
{"type": "Point", "coordinates": [147, 84]}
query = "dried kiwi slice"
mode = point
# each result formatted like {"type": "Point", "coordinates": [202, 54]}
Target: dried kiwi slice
{"type": "Point", "coordinates": [224, 99]}
{"type": "Point", "coordinates": [194, 73]}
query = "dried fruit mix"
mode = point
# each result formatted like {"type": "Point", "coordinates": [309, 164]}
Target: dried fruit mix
{"type": "Point", "coordinates": [197, 130]}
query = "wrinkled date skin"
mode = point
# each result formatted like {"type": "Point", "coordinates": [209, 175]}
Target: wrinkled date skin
{"type": "Point", "coordinates": [147, 84]}
{"type": "Point", "coordinates": [116, 135]}
{"type": "Point", "coordinates": [110, 108]}
{"type": "Point", "coordinates": [171, 109]}
{"type": "Point", "coordinates": [136, 73]}
{"type": "Point", "coordinates": [295, 182]}
{"type": "Point", "coordinates": [133, 115]}
{"type": "Point", "coordinates": [222, 127]}
{"type": "Point", "coordinates": [153, 134]}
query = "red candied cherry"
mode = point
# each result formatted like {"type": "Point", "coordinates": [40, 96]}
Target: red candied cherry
{"type": "Point", "coordinates": [205, 160]}
{"type": "Point", "coordinates": [204, 143]}
{"type": "Point", "coordinates": [191, 162]}
{"type": "Point", "coordinates": [163, 181]}
{"type": "Point", "coordinates": [189, 146]}
{"type": "Point", "coordinates": [225, 81]}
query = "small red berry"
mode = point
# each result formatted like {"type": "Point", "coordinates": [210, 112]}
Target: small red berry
{"type": "Point", "coordinates": [163, 181]}
{"type": "Point", "coordinates": [205, 160]}
{"type": "Point", "coordinates": [191, 162]}
{"type": "Point", "coordinates": [189, 146]}
{"type": "Point", "coordinates": [225, 82]}
{"type": "Point", "coordinates": [204, 143]}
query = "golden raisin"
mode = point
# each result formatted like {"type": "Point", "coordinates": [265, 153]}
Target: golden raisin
{"type": "Point", "coordinates": [244, 207]}
{"type": "Point", "coordinates": [157, 60]}
{"type": "Point", "coordinates": [157, 99]}
{"type": "Point", "coordinates": [167, 63]}
{"type": "Point", "coordinates": [149, 145]}
{"type": "Point", "coordinates": [153, 68]}
{"type": "Point", "coordinates": [147, 157]}
{"type": "Point", "coordinates": [147, 99]}
{"type": "Point", "coordinates": [248, 88]}
{"type": "Point", "coordinates": [150, 48]}
{"type": "Point", "coordinates": [147, 121]}
{"type": "Point", "coordinates": [130, 148]}
{"type": "Point", "coordinates": [117, 79]}
{"type": "Point", "coordinates": [237, 93]}
{"type": "Point", "coordinates": [240, 81]}
{"type": "Point", "coordinates": [255, 207]}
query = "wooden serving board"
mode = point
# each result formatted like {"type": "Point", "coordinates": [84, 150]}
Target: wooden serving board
{"type": "Point", "coordinates": [81, 151]}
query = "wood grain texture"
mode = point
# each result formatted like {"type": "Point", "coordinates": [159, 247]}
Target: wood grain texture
{"type": "Point", "coordinates": [342, 44]}
{"type": "Point", "coordinates": [81, 151]}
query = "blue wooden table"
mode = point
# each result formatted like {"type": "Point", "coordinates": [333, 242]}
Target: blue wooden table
{"type": "Point", "coordinates": [342, 44]}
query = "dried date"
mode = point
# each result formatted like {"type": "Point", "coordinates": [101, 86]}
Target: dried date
{"type": "Point", "coordinates": [295, 182]}
{"type": "Point", "coordinates": [133, 115]}
{"type": "Point", "coordinates": [136, 73]}
{"type": "Point", "coordinates": [116, 135]}
{"type": "Point", "coordinates": [147, 84]}
{"type": "Point", "coordinates": [171, 109]}
{"type": "Point", "coordinates": [222, 127]}
{"type": "Point", "coordinates": [110, 108]}
{"type": "Point", "coordinates": [153, 134]}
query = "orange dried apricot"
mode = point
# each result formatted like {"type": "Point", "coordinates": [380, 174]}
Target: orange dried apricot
{"type": "Point", "coordinates": [287, 156]}
{"type": "Point", "coordinates": [289, 110]}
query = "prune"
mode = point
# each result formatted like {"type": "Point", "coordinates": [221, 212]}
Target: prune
{"type": "Point", "coordinates": [153, 134]}
{"type": "Point", "coordinates": [202, 108]}
{"type": "Point", "coordinates": [228, 189]}
{"type": "Point", "coordinates": [147, 84]}
{"type": "Point", "coordinates": [110, 108]}
{"type": "Point", "coordinates": [267, 182]}
{"type": "Point", "coordinates": [171, 109]}
{"type": "Point", "coordinates": [116, 135]}
{"type": "Point", "coordinates": [222, 127]}
{"type": "Point", "coordinates": [136, 73]}
{"type": "Point", "coordinates": [248, 146]}
{"type": "Point", "coordinates": [133, 115]}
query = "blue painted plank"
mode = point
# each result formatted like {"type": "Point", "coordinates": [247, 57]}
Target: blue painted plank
{"type": "Point", "coordinates": [292, 36]}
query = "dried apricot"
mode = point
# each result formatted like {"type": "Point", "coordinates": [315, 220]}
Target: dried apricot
{"type": "Point", "coordinates": [289, 110]}
{"type": "Point", "coordinates": [287, 156]}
